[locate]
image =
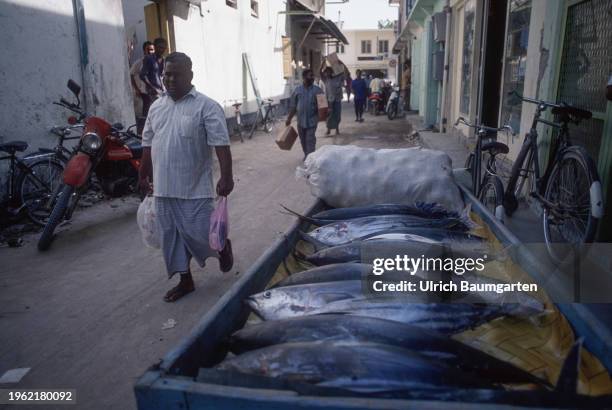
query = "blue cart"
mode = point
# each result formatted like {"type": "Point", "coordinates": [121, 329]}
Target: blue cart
{"type": "Point", "coordinates": [172, 384]}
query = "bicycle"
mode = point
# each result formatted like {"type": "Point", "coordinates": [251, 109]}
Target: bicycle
{"type": "Point", "coordinates": [31, 183]}
{"type": "Point", "coordinates": [487, 187]}
{"type": "Point", "coordinates": [265, 121]}
{"type": "Point", "coordinates": [568, 190]}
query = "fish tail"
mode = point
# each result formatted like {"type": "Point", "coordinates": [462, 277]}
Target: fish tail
{"type": "Point", "coordinates": [567, 382]}
{"type": "Point", "coordinates": [467, 219]}
{"type": "Point", "coordinates": [302, 217]}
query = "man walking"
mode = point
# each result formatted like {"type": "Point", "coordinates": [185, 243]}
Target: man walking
{"type": "Point", "coordinates": [141, 96]}
{"type": "Point", "coordinates": [334, 93]}
{"type": "Point", "coordinates": [360, 91]}
{"type": "Point", "coordinates": [153, 70]}
{"type": "Point", "coordinates": [304, 102]}
{"type": "Point", "coordinates": [180, 132]}
{"type": "Point", "coordinates": [406, 80]}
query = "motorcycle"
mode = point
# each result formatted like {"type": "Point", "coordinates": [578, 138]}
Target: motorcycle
{"type": "Point", "coordinates": [104, 154]}
{"type": "Point", "coordinates": [376, 103]}
{"type": "Point", "coordinates": [393, 105]}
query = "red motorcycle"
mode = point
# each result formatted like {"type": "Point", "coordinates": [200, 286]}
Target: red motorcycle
{"type": "Point", "coordinates": [104, 153]}
{"type": "Point", "coordinates": [376, 103]}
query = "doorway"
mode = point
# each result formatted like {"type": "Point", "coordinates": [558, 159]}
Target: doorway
{"type": "Point", "coordinates": [495, 21]}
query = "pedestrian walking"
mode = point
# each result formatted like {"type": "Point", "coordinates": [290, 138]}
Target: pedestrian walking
{"type": "Point", "coordinates": [139, 88]}
{"type": "Point", "coordinates": [303, 102]}
{"type": "Point", "coordinates": [406, 80]}
{"type": "Point", "coordinates": [360, 91]}
{"type": "Point", "coordinates": [153, 70]}
{"type": "Point", "coordinates": [335, 95]}
{"type": "Point", "coordinates": [181, 130]}
{"type": "Point", "coordinates": [349, 84]}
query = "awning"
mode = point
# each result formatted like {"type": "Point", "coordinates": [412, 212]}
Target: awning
{"type": "Point", "coordinates": [415, 22]}
{"type": "Point", "coordinates": [318, 25]}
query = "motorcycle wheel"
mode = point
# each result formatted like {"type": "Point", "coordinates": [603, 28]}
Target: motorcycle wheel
{"type": "Point", "coordinates": [392, 111]}
{"type": "Point", "coordinates": [57, 215]}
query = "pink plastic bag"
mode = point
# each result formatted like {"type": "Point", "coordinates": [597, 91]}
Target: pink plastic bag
{"type": "Point", "coordinates": [219, 225]}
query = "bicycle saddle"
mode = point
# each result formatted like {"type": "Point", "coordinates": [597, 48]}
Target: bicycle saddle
{"type": "Point", "coordinates": [14, 146]}
{"type": "Point", "coordinates": [568, 111]}
{"type": "Point", "coordinates": [236, 104]}
{"type": "Point", "coordinates": [495, 147]}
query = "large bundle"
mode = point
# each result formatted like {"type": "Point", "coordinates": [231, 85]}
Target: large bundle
{"type": "Point", "coordinates": [345, 176]}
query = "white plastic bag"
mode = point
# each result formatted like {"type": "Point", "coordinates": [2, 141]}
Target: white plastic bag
{"type": "Point", "coordinates": [346, 175]}
{"type": "Point", "coordinates": [219, 225]}
{"type": "Point", "coordinates": [147, 222]}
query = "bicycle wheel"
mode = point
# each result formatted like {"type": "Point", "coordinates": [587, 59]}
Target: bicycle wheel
{"type": "Point", "coordinates": [574, 203]}
{"type": "Point", "coordinates": [57, 216]}
{"type": "Point", "coordinates": [37, 188]}
{"type": "Point", "coordinates": [492, 196]}
{"type": "Point", "coordinates": [269, 121]}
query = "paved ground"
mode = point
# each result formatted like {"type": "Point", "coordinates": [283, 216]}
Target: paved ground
{"type": "Point", "coordinates": [88, 313]}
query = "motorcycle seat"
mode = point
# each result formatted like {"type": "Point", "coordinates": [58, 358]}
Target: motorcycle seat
{"type": "Point", "coordinates": [495, 147]}
{"type": "Point", "coordinates": [136, 149]}
{"type": "Point", "coordinates": [14, 146]}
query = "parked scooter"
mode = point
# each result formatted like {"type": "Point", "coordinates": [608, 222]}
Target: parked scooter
{"type": "Point", "coordinates": [105, 152]}
{"type": "Point", "coordinates": [393, 105]}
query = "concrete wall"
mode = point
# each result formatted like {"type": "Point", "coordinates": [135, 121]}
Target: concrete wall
{"type": "Point", "coordinates": [135, 27]}
{"type": "Point", "coordinates": [40, 54]}
{"type": "Point", "coordinates": [353, 50]}
{"type": "Point", "coordinates": [216, 40]}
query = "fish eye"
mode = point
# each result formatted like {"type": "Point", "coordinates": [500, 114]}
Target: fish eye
{"type": "Point", "coordinates": [267, 294]}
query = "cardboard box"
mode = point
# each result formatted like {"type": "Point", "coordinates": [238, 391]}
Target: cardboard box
{"type": "Point", "coordinates": [322, 106]}
{"type": "Point", "coordinates": [286, 138]}
{"type": "Point", "coordinates": [335, 64]}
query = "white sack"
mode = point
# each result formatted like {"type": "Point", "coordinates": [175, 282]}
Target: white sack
{"type": "Point", "coordinates": [345, 176]}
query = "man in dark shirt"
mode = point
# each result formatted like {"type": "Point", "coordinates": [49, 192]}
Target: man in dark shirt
{"type": "Point", "coordinates": [153, 69]}
{"type": "Point", "coordinates": [303, 102]}
{"type": "Point", "coordinates": [360, 90]}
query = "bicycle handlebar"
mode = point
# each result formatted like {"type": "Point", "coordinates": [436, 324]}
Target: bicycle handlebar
{"type": "Point", "coordinates": [514, 93]}
{"type": "Point", "coordinates": [506, 128]}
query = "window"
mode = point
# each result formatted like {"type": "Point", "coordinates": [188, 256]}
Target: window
{"type": "Point", "coordinates": [383, 46]}
{"type": "Point", "coordinates": [515, 61]}
{"type": "Point", "coordinates": [232, 3]}
{"type": "Point", "coordinates": [255, 8]}
{"type": "Point", "coordinates": [366, 46]}
{"type": "Point", "coordinates": [468, 53]}
{"type": "Point", "coordinates": [339, 48]}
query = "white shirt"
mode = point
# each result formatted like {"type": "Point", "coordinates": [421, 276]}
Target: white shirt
{"type": "Point", "coordinates": [135, 73]}
{"type": "Point", "coordinates": [181, 135]}
{"type": "Point", "coordinates": [376, 85]}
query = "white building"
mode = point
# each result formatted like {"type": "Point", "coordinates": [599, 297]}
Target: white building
{"type": "Point", "coordinates": [369, 50]}
{"type": "Point", "coordinates": [278, 37]}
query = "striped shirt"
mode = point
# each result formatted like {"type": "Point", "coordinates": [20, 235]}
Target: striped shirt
{"type": "Point", "coordinates": [181, 135]}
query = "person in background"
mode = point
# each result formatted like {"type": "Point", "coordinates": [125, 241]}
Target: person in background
{"type": "Point", "coordinates": [142, 101]}
{"type": "Point", "coordinates": [153, 70]}
{"type": "Point", "coordinates": [349, 84]}
{"type": "Point", "coordinates": [181, 131]}
{"type": "Point", "coordinates": [405, 89]}
{"type": "Point", "coordinates": [303, 102]}
{"type": "Point", "coordinates": [360, 91]}
{"type": "Point", "coordinates": [335, 95]}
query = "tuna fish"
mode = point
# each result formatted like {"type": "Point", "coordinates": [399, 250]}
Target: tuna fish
{"type": "Point", "coordinates": [446, 318]}
{"type": "Point", "coordinates": [342, 232]}
{"type": "Point", "coordinates": [362, 367]}
{"type": "Point", "coordinates": [366, 251]}
{"type": "Point", "coordinates": [298, 300]}
{"type": "Point", "coordinates": [328, 273]}
{"type": "Point", "coordinates": [420, 209]}
{"type": "Point", "coordinates": [365, 329]}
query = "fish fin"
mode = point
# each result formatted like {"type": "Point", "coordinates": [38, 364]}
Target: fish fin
{"type": "Point", "coordinates": [302, 217]}
{"type": "Point", "coordinates": [300, 256]}
{"type": "Point", "coordinates": [567, 382]}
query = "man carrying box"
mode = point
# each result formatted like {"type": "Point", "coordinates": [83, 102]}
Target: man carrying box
{"type": "Point", "coordinates": [304, 102]}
